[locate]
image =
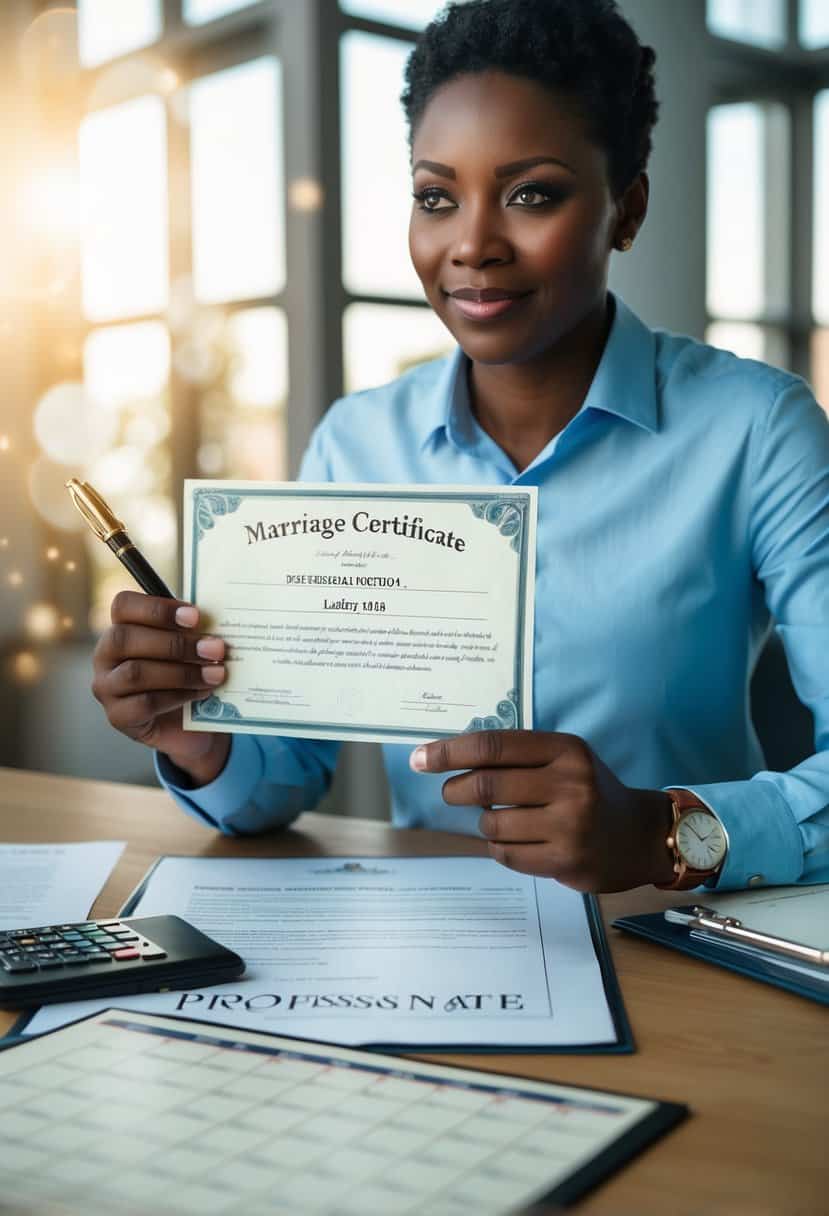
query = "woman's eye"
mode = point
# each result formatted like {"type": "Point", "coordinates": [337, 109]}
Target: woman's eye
{"type": "Point", "coordinates": [432, 199]}
{"type": "Point", "coordinates": [532, 196]}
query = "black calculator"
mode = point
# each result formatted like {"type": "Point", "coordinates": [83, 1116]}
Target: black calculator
{"type": "Point", "coordinates": [102, 958]}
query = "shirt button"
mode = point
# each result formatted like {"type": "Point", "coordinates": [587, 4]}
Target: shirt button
{"type": "Point", "coordinates": [756, 880]}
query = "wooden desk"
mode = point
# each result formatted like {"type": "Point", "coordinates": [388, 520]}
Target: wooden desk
{"type": "Point", "coordinates": [749, 1060]}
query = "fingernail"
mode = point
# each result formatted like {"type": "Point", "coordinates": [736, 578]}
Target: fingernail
{"type": "Point", "coordinates": [417, 760]}
{"type": "Point", "coordinates": [212, 675]}
{"type": "Point", "coordinates": [187, 616]}
{"type": "Point", "coordinates": [210, 648]}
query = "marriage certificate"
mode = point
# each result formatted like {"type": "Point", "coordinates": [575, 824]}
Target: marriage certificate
{"type": "Point", "coordinates": [394, 951]}
{"type": "Point", "coordinates": [378, 613]}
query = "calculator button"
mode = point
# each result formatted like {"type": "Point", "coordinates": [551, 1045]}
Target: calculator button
{"type": "Point", "coordinates": [153, 953]}
{"type": "Point", "coordinates": [100, 956]}
{"type": "Point", "coordinates": [125, 953]}
{"type": "Point", "coordinates": [45, 963]}
{"type": "Point", "coordinates": [126, 937]}
{"type": "Point", "coordinates": [110, 924]}
{"type": "Point", "coordinates": [76, 960]}
{"type": "Point", "coordinates": [49, 937]}
{"type": "Point", "coordinates": [18, 964]}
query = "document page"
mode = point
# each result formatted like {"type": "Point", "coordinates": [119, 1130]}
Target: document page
{"type": "Point", "coordinates": [435, 951]}
{"type": "Point", "coordinates": [44, 884]}
{"type": "Point", "coordinates": [800, 914]}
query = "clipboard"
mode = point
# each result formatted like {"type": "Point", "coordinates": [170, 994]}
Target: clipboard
{"type": "Point", "coordinates": [716, 936]}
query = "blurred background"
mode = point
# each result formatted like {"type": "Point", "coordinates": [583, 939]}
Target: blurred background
{"type": "Point", "coordinates": [203, 222]}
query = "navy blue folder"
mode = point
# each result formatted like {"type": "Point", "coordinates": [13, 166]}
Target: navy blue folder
{"type": "Point", "coordinates": [654, 928]}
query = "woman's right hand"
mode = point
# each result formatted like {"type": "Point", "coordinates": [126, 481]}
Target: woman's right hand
{"type": "Point", "coordinates": [149, 663]}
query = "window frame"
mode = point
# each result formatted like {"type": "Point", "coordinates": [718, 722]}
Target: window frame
{"type": "Point", "coordinates": [790, 76]}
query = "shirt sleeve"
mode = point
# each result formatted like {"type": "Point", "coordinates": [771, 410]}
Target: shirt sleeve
{"type": "Point", "coordinates": [778, 823]}
{"type": "Point", "coordinates": [268, 779]}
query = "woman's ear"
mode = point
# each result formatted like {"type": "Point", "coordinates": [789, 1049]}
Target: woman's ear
{"type": "Point", "coordinates": [631, 207]}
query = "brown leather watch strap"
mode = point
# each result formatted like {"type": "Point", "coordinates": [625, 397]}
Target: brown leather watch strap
{"type": "Point", "coordinates": [685, 876]}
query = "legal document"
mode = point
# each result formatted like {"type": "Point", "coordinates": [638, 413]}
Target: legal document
{"type": "Point", "coordinates": [417, 952]}
{"type": "Point", "coordinates": [45, 884]}
{"type": "Point", "coordinates": [389, 613]}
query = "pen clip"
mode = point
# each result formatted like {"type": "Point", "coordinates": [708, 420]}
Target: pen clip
{"type": "Point", "coordinates": [92, 507]}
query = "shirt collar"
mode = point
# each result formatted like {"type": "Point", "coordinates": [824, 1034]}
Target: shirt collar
{"type": "Point", "coordinates": [624, 383]}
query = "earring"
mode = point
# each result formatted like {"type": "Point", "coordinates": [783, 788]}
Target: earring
{"type": "Point", "coordinates": [626, 243]}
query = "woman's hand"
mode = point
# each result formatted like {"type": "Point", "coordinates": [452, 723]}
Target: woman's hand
{"type": "Point", "coordinates": [149, 663]}
{"type": "Point", "coordinates": [553, 809]}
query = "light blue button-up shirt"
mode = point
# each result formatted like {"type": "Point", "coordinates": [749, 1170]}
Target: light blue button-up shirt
{"type": "Point", "coordinates": [683, 507]}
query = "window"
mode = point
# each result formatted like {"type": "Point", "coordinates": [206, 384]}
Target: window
{"type": "Point", "coordinates": [197, 12]}
{"type": "Point", "coordinates": [123, 172]}
{"type": "Point", "coordinates": [413, 14]}
{"type": "Point", "coordinates": [376, 178]}
{"type": "Point", "coordinates": [185, 359]}
{"type": "Point", "coordinates": [813, 26]}
{"type": "Point", "coordinates": [101, 36]}
{"type": "Point", "coordinates": [747, 223]}
{"type": "Point", "coordinates": [759, 22]}
{"type": "Point", "coordinates": [386, 325]}
{"type": "Point", "coordinates": [238, 183]}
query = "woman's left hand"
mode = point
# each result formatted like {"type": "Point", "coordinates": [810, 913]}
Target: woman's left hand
{"type": "Point", "coordinates": [553, 809]}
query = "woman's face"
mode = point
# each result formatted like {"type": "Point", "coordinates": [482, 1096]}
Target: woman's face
{"type": "Point", "coordinates": [513, 209]}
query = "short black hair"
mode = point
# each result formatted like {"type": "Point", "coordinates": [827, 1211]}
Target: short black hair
{"type": "Point", "coordinates": [582, 50]}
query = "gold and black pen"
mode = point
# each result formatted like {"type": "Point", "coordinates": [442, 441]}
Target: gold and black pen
{"type": "Point", "coordinates": [112, 532]}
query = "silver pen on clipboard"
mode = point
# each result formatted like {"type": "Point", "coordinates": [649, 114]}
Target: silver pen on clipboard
{"type": "Point", "coordinates": [696, 916]}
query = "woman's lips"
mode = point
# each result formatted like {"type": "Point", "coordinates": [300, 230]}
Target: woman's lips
{"type": "Point", "coordinates": [485, 310]}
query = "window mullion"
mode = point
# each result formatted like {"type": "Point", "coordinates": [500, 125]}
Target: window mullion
{"type": "Point", "coordinates": [314, 298]}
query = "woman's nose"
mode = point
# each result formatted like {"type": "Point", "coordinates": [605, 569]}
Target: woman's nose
{"type": "Point", "coordinates": [479, 238]}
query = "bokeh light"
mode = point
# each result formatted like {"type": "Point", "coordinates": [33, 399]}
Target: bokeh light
{"type": "Point", "coordinates": [121, 469]}
{"type": "Point", "coordinates": [15, 578]}
{"type": "Point", "coordinates": [70, 567]}
{"type": "Point", "coordinates": [41, 621]}
{"type": "Point", "coordinates": [5, 443]}
{"type": "Point", "coordinates": [52, 553]}
{"type": "Point", "coordinates": [66, 428]}
{"type": "Point", "coordinates": [155, 523]}
{"type": "Point", "coordinates": [26, 667]}
{"type": "Point", "coordinates": [305, 194]}
{"type": "Point", "coordinates": [139, 74]}
{"type": "Point", "coordinates": [48, 49]}
{"type": "Point", "coordinates": [47, 490]}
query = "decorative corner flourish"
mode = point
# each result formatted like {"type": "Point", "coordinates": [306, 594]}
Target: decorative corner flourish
{"type": "Point", "coordinates": [210, 503]}
{"type": "Point", "coordinates": [505, 514]}
{"type": "Point", "coordinates": [504, 718]}
{"type": "Point", "coordinates": [216, 710]}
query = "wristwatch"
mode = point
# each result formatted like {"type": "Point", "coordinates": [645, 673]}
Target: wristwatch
{"type": "Point", "coordinates": [697, 840]}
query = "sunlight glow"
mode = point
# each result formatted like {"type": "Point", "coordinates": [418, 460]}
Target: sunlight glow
{"type": "Point", "coordinates": [124, 184]}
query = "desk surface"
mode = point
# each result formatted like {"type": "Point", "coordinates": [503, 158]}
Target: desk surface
{"type": "Point", "coordinates": [749, 1060]}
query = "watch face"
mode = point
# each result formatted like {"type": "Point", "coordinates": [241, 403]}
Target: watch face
{"type": "Point", "coordinates": [700, 840]}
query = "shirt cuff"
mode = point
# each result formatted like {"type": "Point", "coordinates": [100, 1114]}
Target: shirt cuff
{"type": "Point", "coordinates": [764, 843]}
{"type": "Point", "coordinates": [213, 804]}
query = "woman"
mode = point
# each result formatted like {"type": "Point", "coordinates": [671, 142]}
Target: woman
{"type": "Point", "coordinates": [683, 500]}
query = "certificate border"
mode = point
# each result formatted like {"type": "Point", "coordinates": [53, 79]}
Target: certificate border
{"type": "Point", "coordinates": [523, 498]}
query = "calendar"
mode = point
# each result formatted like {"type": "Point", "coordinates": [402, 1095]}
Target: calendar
{"type": "Point", "coordinates": [133, 1113]}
